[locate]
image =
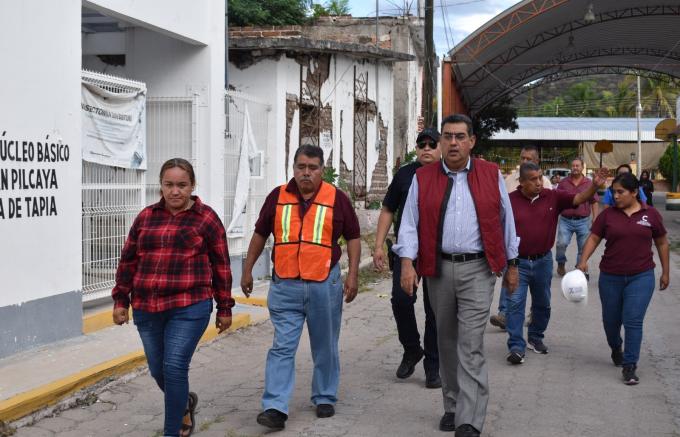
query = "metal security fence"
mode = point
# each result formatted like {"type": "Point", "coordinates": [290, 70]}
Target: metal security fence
{"type": "Point", "coordinates": [111, 198]}
{"type": "Point", "coordinates": [236, 106]}
{"type": "Point", "coordinates": [170, 133]}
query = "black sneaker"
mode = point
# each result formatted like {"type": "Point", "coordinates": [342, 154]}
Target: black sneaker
{"type": "Point", "coordinates": [273, 419]}
{"type": "Point", "coordinates": [617, 357]}
{"type": "Point", "coordinates": [629, 376]}
{"type": "Point", "coordinates": [432, 380]}
{"type": "Point", "coordinates": [537, 346]}
{"type": "Point", "coordinates": [515, 358]}
{"type": "Point", "coordinates": [325, 410]}
{"type": "Point", "coordinates": [448, 422]}
{"type": "Point", "coordinates": [467, 430]}
{"type": "Point", "coordinates": [408, 363]}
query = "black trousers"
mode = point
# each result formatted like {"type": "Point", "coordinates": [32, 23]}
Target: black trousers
{"type": "Point", "coordinates": [407, 327]}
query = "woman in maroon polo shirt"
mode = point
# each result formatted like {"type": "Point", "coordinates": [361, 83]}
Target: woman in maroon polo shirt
{"type": "Point", "coordinates": [174, 263]}
{"type": "Point", "coordinates": [627, 269]}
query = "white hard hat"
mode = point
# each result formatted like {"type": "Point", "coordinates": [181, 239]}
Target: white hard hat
{"type": "Point", "coordinates": [575, 286]}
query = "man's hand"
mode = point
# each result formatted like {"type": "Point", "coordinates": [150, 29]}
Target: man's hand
{"type": "Point", "coordinates": [351, 287]}
{"type": "Point", "coordinates": [247, 283]}
{"type": "Point", "coordinates": [409, 277]}
{"type": "Point", "coordinates": [582, 267]}
{"type": "Point", "coordinates": [121, 316]}
{"type": "Point", "coordinates": [600, 177]}
{"type": "Point", "coordinates": [222, 323]}
{"type": "Point", "coordinates": [511, 279]}
{"type": "Point", "coordinates": [379, 259]}
{"type": "Point", "coordinates": [663, 282]}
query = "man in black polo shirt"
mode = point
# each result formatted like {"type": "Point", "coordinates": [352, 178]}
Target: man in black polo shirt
{"type": "Point", "coordinates": [427, 151]}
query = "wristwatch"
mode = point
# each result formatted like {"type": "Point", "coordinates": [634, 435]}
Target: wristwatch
{"type": "Point", "coordinates": [513, 262]}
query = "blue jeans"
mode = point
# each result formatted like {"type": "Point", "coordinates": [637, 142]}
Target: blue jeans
{"type": "Point", "coordinates": [565, 229]}
{"type": "Point", "coordinates": [503, 300]}
{"type": "Point", "coordinates": [535, 277]}
{"type": "Point", "coordinates": [624, 302]}
{"type": "Point", "coordinates": [290, 302]}
{"type": "Point", "coordinates": [407, 326]}
{"type": "Point", "coordinates": [170, 338]}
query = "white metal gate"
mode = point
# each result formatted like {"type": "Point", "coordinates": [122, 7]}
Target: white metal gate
{"type": "Point", "coordinates": [236, 106]}
{"type": "Point", "coordinates": [170, 133]}
{"type": "Point", "coordinates": [111, 198]}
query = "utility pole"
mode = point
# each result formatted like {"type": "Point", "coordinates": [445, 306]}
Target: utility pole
{"type": "Point", "coordinates": [638, 114]}
{"type": "Point", "coordinates": [428, 70]}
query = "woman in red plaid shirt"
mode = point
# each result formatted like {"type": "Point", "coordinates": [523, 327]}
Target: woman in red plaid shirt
{"type": "Point", "coordinates": [174, 262]}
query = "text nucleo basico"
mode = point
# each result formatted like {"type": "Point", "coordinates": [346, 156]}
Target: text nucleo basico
{"type": "Point", "coordinates": [15, 179]}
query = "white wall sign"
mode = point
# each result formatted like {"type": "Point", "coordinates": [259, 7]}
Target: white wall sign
{"type": "Point", "coordinates": [114, 127]}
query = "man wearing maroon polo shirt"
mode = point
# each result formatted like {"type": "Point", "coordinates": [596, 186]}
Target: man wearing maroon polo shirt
{"type": "Point", "coordinates": [536, 210]}
{"type": "Point", "coordinates": [574, 220]}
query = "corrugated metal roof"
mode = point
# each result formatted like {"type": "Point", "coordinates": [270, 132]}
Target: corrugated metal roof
{"type": "Point", "coordinates": [580, 129]}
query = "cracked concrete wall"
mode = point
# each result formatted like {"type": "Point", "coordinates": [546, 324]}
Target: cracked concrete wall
{"type": "Point", "coordinates": [401, 34]}
{"type": "Point", "coordinates": [379, 175]}
{"type": "Point", "coordinates": [277, 80]}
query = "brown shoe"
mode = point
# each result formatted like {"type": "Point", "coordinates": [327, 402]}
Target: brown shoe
{"type": "Point", "coordinates": [498, 320]}
{"type": "Point", "coordinates": [560, 269]}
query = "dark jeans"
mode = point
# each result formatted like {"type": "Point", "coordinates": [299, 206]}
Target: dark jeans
{"type": "Point", "coordinates": [407, 327]}
{"type": "Point", "coordinates": [170, 338]}
{"type": "Point", "coordinates": [624, 302]}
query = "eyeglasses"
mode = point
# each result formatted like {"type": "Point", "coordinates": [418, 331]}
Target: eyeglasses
{"type": "Point", "coordinates": [449, 136]}
{"type": "Point", "coordinates": [429, 144]}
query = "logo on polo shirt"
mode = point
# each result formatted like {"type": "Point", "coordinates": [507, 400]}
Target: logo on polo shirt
{"type": "Point", "coordinates": [644, 222]}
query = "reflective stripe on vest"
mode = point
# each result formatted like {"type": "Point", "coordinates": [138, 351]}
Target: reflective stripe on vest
{"type": "Point", "coordinates": [303, 247]}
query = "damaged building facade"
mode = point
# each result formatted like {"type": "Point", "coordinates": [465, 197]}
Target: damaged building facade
{"type": "Point", "coordinates": [331, 85]}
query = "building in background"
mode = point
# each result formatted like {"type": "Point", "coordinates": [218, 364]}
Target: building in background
{"type": "Point", "coordinates": [63, 220]}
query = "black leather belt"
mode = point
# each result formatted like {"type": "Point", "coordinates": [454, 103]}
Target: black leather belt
{"type": "Point", "coordinates": [461, 257]}
{"type": "Point", "coordinates": [534, 257]}
{"type": "Point", "coordinates": [574, 217]}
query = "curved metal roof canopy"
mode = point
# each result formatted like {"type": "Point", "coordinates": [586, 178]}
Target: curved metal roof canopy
{"type": "Point", "coordinates": [553, 39]}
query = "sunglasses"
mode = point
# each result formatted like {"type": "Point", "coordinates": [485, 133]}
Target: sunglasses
{"type": "Point", "coordinates": [429, 144]}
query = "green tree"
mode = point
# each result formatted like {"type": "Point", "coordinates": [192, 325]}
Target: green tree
{"type": "Point", "coordinates": [495, 117]}
{"type": "Point", "coordinates": [666, 163]}
{"type": "Point", "coordinates": [552, 108]}
{"type": "Point", "coordinates": [268, 12]}
{"type": "Point", "coordinates": [331, 8]}
{"type": "Point", "coordinates": [337, 7]}
{"type": "Point", "coordinates": [580, 100]}
{"type": "Point", "coordinates": [659, 97]}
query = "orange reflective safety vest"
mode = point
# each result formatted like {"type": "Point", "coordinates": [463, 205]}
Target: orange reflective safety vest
{"type": "Point", "coordinates": [303, 246]}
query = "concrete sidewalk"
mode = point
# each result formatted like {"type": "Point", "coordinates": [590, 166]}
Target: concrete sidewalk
{"type": "Point", "coordinates": [34, 379]}
{"type": "Point", "coordinates": [572, 391]}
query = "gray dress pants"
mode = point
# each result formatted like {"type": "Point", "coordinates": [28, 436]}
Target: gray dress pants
{"type": "Point", "coordinates": [460, 298]}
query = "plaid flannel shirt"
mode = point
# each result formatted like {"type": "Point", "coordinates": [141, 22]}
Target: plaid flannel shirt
{"type": "Point", "coordinates": [174, 261]}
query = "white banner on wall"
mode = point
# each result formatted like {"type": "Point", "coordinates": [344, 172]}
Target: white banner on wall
{"type": "Point", "coordinates": [248, 151]}
{"type": "Point", "coordinates": [114, 127]}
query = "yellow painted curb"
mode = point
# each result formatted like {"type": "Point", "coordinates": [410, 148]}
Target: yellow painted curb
{"type": "Point", "coordinates": [238, 321]}
{"type": "Point", "coordinates": [95, 322]}
{"type": "Point", "coordinates": [252, 300]}
{"type": "Point", "coordinates": [49, 394]}
{"type": "Point", "coordinates": [28, 402]}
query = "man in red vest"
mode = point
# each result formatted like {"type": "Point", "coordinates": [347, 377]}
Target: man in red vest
{"type": "Point", "coordinates": [307, 217]}
{"type": "Point", "coordinates": [458, 223]}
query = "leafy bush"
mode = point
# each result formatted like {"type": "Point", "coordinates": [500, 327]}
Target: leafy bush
{"type": "Point", "coordinates": [666, 163]}
{"type": "Point", "coordinates": [329, 175]}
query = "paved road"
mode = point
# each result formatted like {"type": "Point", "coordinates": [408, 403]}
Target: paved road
{"type": "Point", "coordinates": [572, 391]}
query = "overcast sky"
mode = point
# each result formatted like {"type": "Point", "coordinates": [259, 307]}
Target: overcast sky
{"type": "Point", "coordinates": [453, 18]}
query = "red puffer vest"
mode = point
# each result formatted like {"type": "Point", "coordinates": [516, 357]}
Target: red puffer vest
{"type": "Point", "coordinates": [434, 189]}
